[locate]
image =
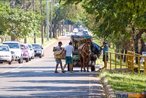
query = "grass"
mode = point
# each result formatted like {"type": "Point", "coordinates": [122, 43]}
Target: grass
{"type": "Point", "coordinates": [121, 81]}
{"type": "Point", "coordinates": [126, 82]}
{"type": "Point", "coordinates": [38, 40]}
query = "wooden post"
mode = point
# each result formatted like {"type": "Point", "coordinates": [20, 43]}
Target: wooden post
{"type": "Point", "coordinates": [132, 62]}
{"type": "Point", "coordinates": [120, 61]}
{"type": "Point", "coordinates": [110, 61]}
{"type": "Point", "coordinates": [105, 62]}
{"type": "Point", "coordinates": [115, 62]}
{"type": "Point", "coordinates": [138, 63]}
{"type": "Point", "coordinates": [126, 60]}
{"type": "Point", "coordinates": [144, 65]}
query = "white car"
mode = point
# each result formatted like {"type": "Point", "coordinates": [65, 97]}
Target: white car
{"type": "Point", "coordinates": [31, 51]}
{"type": "Point", "coordinates": [5, 54]}
{"type": "Point", "coordinates": [15, 47]}
{"type": "Point", "coordinates": [38, 50]}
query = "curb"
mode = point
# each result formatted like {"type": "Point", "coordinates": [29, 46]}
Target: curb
{"type": "Point", "coordinates": [109, 92]}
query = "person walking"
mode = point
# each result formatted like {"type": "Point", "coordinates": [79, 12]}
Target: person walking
{"type": "Point", "coordinates": [105, 54]}
{"type": "Point", "coordinates": [69, 53]}
{"type": "Point", "coordinates": [57, 54]}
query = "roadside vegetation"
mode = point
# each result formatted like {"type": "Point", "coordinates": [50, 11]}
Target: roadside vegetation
{"type": "Point", "coordinates": [26, 20]}
{"type": "Point", "coordinates": [119, 22]}
{"type": "Point", "coordinates": [126, 82]}
{"type": "Point", "coordinates": [122, 81]}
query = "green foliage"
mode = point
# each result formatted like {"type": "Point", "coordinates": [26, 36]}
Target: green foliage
{"type": "Point", "coordinates": [17, 22]}
{"type": "Point", "coordinates": [113, 19]}
{"type": "Point", "coordinates": [144, 36]}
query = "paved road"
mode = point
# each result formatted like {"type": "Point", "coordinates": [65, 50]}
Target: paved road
{"type": "Point", "coordinates": [36, 79]}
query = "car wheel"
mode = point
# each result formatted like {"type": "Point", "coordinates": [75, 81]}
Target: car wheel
{"type": "Point", "coordinates": [32, 57]}
{"type": "Point", "coordinates": [40, 56]}
{"type": "Point", "coordinates": [27, 59]}
{"type": "Point", "coordinates": [10, 62]}
{"type": "Point", "coordinates": [20, 60]}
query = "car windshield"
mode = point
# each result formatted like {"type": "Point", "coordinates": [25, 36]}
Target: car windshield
{"type": "Point", "coordinates": [13, 45]}
{"type": "Point", "coordinates": [4, 48]}
{"type": "Point", "coordinates": [24, 47]}
{"type": "Point", "coordinates": [30, 46]}
{"type": "Point", "coordinates": [36, 46]}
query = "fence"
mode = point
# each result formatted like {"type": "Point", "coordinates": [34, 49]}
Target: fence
{"type": "Point", "coordinates": [119, 61]}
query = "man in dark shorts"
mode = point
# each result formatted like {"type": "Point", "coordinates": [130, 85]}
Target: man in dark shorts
{"type": "Point", "coordinates": [105, 54]}
{"type": "Point", "coordinates": [69, 61]}
{"type": "Point", "coordinates": [58, 49]}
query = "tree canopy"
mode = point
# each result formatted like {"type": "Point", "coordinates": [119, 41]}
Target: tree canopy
{"type": "Point", "coordinates": [114, 19]}
{"type": "Point", "coordinates": [18, 22]}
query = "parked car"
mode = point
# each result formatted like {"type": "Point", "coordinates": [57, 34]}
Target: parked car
{"type": "Point", "coordinates": [26, 52]}
{"type": "Point", "coordinates": [38, 49]}
{"type": "Point", "coordinates": [16, 49]}
{"type": "Point", "coordinates": [31, 51]}
{"type": "Point", "coordinates": [5, 54]}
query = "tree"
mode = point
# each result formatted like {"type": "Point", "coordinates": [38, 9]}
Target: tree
{"type": "Point", "coordinates": [17, 22]}
{"type": "Point", "coordinates": [115, 19]}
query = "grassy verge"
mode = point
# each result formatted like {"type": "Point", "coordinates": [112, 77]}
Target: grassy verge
{"type": "Point", "coordinates": [126, 82]}
{"type": "Point", "coordinates": [38, 40]}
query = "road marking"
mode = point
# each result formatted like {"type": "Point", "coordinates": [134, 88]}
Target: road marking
{"type": "Point", "coordinates": [11, 69]}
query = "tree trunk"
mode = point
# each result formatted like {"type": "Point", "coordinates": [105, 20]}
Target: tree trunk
{"type": "Point", "coordinates": [12, 5]}
{"type": "Point", "coordinates": [42, 27]}
{"type": "Point", "coordinates": [143, 46]}
{"type": "Point", "coordinates": [137, 38]}
{"type": "Point", "coordinates": [25, 40]}
{"type": "Point", "coordinates": [33, 3]}
{"type": "Point", "coordinates": [13, 38]}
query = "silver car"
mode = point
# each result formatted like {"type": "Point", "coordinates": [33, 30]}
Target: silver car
{"type": "Point", "coordinates": [5, 54]}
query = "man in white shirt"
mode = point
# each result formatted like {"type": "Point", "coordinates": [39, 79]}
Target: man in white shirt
{"type": "Point", "coordinates": [69, 52]}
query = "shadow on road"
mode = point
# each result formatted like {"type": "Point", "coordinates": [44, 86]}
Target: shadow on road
{"type": "Point", "coordinates": [65, 85]}
{"type": "Point", "coordinates": [48, 73]}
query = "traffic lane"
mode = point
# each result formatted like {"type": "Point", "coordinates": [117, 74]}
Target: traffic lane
{"type": "Point", "coordinates": [40, 80]}
{"type": "Point", "coordinates": [49, 83]}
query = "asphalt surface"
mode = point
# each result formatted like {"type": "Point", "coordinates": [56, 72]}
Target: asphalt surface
{"type": "Point", "coordinates": [36, 79]}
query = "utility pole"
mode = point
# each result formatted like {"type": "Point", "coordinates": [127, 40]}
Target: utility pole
{"type": "Point", "coordinates": [34, 40]}
{"type": "Point", "coordinates": [42, 25]}
{"type": "Point", "coordinates": [47, 19]}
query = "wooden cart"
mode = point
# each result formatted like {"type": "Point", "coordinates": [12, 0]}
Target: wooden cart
{"type": "Point", "coordinates": [78, 41]}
